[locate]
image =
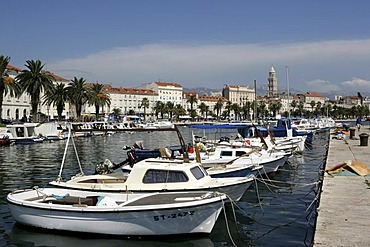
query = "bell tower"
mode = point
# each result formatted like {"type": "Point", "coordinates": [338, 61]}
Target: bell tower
{"type": "Point", "coordinates": [272, 84]}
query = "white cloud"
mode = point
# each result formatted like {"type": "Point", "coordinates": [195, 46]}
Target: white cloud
{"type": "Point", "coordinates": [357, 83]}
{"type": "Point", "coordinates": [322, 86]}
{"type": "Point", "coordinates": [213, 65]}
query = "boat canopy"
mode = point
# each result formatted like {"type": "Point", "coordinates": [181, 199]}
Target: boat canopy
{"type": "Point", "coordinates": [219, 126]}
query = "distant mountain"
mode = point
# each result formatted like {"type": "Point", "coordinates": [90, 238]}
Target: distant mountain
{"type": "Point", "coordinates": [201, 90]}
{"type": "Point", "coordinates": [262, 90]}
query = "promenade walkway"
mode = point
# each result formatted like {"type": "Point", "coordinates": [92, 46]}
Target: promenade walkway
{"type": "Point", "coordinates": [344, 210]}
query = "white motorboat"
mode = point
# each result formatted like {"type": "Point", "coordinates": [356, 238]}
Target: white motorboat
{"type": "Point", "coordinates": [158, 174]}
{"type": "Point", "coordinates": [258, 161]}
{"type": "Point", "coordinates": [123, 214]}
{"type": "Point", "coordinates": [23, 133]}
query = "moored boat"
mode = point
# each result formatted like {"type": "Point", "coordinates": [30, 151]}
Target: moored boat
{"type": "Point", "coordinates": [122, 214]}
{"type": "Point", "coordinates": [23, 133]}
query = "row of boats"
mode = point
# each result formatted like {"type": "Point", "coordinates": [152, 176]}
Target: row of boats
{"type": "Point", "coordinates": [35, 132]}
{"type": "Point", "coordinates": [168, 191]}
{"type": "Point", "coordinates": [27, 133]}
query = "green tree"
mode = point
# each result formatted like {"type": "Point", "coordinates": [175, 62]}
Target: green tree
{"type": "Point", "coordinates": [116, 112]}
{"type": "Point", "coordinates": [237, 109]}
{"type": "Point", "coordinates": [170, 108]}
{"type": "Point", "coordinates": [312, 103]}
{"type": "Point", "coordinates": [203, 109]}
{"type": "Point", "coordinates": [7, 84]}
{"type": "Point", "coordinates": [274, 107]}
{"type": "Point", "coordinates": [218, 107]}
{"type": "Point", "coordinates": [159, 108]}
{"type": "Point", "coordinates": [98, 98]}
{"type": "Point", "coordinates": [261, 109]}
{"type": "Point", "coordinates": [293, 104]}
{"type": "Point", "coordinates": [318, 108]}
{"type": "Point", "coordinates": [228, 109]}
{"type": "Point", "coordinates": [35, 81]}
{"type": "Point", "coordinates": [192, 100]}
{"type": "Point", "coordinates": [144, 105]}
{"type": "Point", "coordinates": [300, 107]}
{"type": "Point", "coordinates": [179, 111]}
{"type": "Point", "coordinates": [78, 94]}
{"type": "Point", "coordinates": [57, 96]}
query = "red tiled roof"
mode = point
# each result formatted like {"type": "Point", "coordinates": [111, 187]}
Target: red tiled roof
{"type": "Point", "coordinates": [131, 91]}
{"type": "Point", "coordinates": [164, 84]}
{"type": "Point", "coordinates": [58, 78]}
{"type": "Point", "coordinates": [188, 94]}
{"type": "Point", "coordinates": [212, 98]}
{"type": "Point", "coordinates": [13, 68]}
{"type": "Point", "coordinates": [308, 94]}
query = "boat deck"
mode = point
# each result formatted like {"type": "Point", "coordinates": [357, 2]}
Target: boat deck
{"type": "Point", "coordinates": [154, 199]}
{"type": "Point", "coordinates": [167, 198]}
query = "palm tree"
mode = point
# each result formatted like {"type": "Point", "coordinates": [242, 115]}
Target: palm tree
{"type": "Point", "coordinates": [179, 111]}
{"type": "Point", "coordinates": [294, 105]}
{"type": "Point", "coordinates": [261, 109]}
{"type": "Point", "coordinates": [312, 103]}
{"type": "Point", "coordinates": [158, 108]}
{"type": "Point", "coordinates": [207, 111]}
{"type": "Point", "coordinates": [203, 108]}
{"type": "Point", "coordinates": [145, 104]}
{"type": "Point", "coordinates": [318, 107]}
{"type": "Point", "coordinates": [300, 107]}
{"type": "Point", "coordinates": [58, 96]}
{"type": "Point", "coordinates": [7, 83]}
{"type": "Point", "coordinates": [237, 109]}
{"type": "Point", "coordinates": [98, 98]}
{"type": "Point", "coordinates": [170, 106]}
{"type": "Point", "coordinates": [218, 107]}
{"type": "Point", "coordinates": [34, 81]}
{"type": "Point", "coordinates": [228, 108]}
{"type": "Point", "coordinates": [116, 112]}
{"type": "Point", "coordinates": [192, 100]}
{"type": "Point", "coordinates": [78, 94]}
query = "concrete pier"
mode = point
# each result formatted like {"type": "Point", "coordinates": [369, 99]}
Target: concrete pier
{"type": "Point", "coordinates": [344, 210]}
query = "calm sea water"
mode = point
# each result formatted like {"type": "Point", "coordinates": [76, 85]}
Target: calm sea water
{"type": "Point", "coordinates": [279, 212]}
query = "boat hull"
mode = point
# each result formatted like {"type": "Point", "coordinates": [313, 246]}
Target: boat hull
{"type": "Point", "coordinates": [136, 220]}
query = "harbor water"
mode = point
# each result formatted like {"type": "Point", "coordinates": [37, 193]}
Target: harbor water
{"type": "Point", "coordinates": [279, 211]}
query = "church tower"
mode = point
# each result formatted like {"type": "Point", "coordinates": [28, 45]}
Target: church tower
{"type": "Point", "coordinates": [272, 84]}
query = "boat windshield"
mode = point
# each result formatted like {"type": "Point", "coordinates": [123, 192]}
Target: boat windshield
{"type": "Point", "coordinates": [197, 172]}
{"type": "Point", "coordinates": [164, 176]}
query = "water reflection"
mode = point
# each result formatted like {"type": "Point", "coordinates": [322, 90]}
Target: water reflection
{"type": "Point", "coordinates": [23, 236]}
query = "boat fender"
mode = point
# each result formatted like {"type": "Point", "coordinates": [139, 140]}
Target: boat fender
{"type": "Point", "coordinates": [201, 146]}
{"type": "Point", "coordinates": [165, 153]}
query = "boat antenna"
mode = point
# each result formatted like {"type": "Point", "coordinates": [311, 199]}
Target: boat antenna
{"type": "Point", "coordinates": [287, 84]}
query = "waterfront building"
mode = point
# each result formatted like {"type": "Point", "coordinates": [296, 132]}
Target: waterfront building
{"type": "Point", "coordinates": [211, 101]}
{"type": "Point", "coordinates": [14, 108]}
{"type": "Point", "coordinates": [127, 99]}
{"type": "Point", "coordinates": [166, 91]}
{"type": "Point", "coordinates": [238, 94]}
{"type": "Point", "coordinates": [309, 97]}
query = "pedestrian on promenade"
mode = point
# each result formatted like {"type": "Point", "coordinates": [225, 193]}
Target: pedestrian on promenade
{"type": "Point", "coordinates": [358, 123]}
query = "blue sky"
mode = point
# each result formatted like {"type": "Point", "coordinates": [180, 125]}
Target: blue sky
{"type": "Point", "coordinates": [325, 44]}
